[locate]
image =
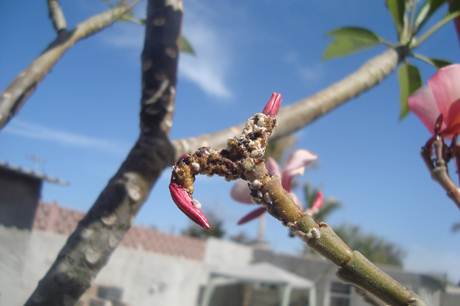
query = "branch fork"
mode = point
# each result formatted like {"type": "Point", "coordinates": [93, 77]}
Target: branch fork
{"type": "Point", "coordinates": [242, 155]}
{"type": "Point", "coordinates": [436, 154]}
{"type": "Point", "coordinates": [244, 158]}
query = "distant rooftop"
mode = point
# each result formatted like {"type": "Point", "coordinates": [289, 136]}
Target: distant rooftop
{"type": "Point", "coordinates": [32, 173]}
{"type": "Point", "coordinates": [60, 220]}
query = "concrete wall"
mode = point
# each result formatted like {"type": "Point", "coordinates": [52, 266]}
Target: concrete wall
{"type": "Point", "coordinates": [146, 278]}
{"type": "Point", "coordinates": [224, 252]}
{"type": "Point", "coordinates": [151, 279]}
{"type": "Point", "coordinates": [19, 196]}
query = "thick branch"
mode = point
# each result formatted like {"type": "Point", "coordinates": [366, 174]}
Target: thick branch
{"type": "Point", "coordinates": [25, 83]}
{"type": "Point", "coordinates": [370, 298]}
{"type": "Point", "coordinates": [57, 16]}
{"type": "Point", "coordinates": [296, 116]}
{"type": "Point", "coordinates": [353, 266]}
{"type": "Point", "coordinates": [89, 247]}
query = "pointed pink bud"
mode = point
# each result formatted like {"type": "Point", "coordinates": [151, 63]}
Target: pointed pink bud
{"type": "Point", "coordinates": [188, 206]}
{"type": "Point", "coordinates": [317, 204]}
{"type": "Point", "coordinates": [273, 105]}
{"type": "Point", "coordinates": [252, 215]}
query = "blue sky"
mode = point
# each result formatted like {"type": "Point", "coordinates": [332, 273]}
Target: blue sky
{"type": "Point", "coordinates": [83, 118]}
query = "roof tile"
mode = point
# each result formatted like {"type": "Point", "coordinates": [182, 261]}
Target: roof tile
{"type": "Point", "coordinates": [57, 219]}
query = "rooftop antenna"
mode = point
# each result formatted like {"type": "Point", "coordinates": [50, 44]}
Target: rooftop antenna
{"type": "Point", "coordinates": [37, 162]}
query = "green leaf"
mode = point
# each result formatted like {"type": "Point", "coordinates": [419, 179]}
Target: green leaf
{"type": "Point", "coordinates": [436, 62]}
{"type": "Point", "coordinates": [348, 40]}
{"type": "Point", "coordinates": [439, 63]}
{"type": "Point", "coordinates": [428, 8]}
{"type": "Point", "coordinates": [397, 9]}
{"type": "Point", "coordinates": [454, 6]}
{"type": "Point", "coordinates": [409, 81]}
{"type": "Point", "coordinates": [185, 46]}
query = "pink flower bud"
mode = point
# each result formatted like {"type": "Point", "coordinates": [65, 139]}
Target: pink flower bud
{"type": "Point", "coordinates": [317, 204]}
{"type": "Point", "coordinates": [252, 215]}
{"type": "Point", "coordinates": [273, 105]}
{"type": "Point", "coordinates": [186, 203]}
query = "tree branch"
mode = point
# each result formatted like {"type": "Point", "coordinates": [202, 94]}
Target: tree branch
{"type": "Point", "coordinates": [369, 298]}
{"type": "Point", "coordinates": [303, 112]}
{"type": "Point", "coordinates": [89, 247]}
{"type": "Point", "coordinates": [438, 166]}
{"type": "Point", "coordinates": [57, 16]}
{"type": "Point", "coordinates": [25, 83]}
{"type": "Point", "coordinates": [243, 158]}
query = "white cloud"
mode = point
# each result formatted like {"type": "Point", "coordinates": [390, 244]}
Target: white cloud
{"type": "Point", "coordinates": [312, 73]}
{"type": "Point", "coordinates": [210, 65]}
{"type": "Point", "coordinates": [127, 36]}
{"type": "Point", "coordinates": [39, 132]}
{"type": "Point", "coordinates": [308, 73]}
{"type": "Point", "coordinates": [209, 68]}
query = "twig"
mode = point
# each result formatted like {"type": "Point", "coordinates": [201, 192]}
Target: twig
{"type": "Point", "coordinates": [57, 16]}
{"type": "Point", "coordinates": [438, 166]}
{"type": "Point", "coordinates": [303, 112]}
{"type": "Point", "coordinates": [15, 95]}
{"type": "Point", "coordinates": [243, 157]}
{"type": "Point", "coordinates": [89, 247]}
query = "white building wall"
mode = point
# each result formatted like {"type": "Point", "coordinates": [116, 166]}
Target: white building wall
{"type": "Point", "coordinates": [227, 253]}
{"type": "Point", "coordinates": [146, 278]}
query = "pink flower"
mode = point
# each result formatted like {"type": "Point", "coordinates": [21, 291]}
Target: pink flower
{"type": "Point", "coordinates": [440, 99]}
{"type": "Point", "coordinates": [295, 165]}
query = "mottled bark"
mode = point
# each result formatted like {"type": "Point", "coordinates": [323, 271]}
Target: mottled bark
{"type": "Point", "coordinates": [57, 16]}
{"type": "Point", "coordinates": [303, 112]}
{"type": "Point", "coordinates": [14, 96]}
{"type": "Point", "coordinates": [89, 247]}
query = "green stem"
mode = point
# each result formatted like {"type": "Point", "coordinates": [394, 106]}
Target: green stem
{"type": "Point", "coordinates": [353, 266]}
{"type": "Point", "coordinates": [423, 58]}
{"type": "Point", "coordinates": [434, 28]}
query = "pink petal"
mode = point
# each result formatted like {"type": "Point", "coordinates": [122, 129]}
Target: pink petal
{"type": "Point", "coordinates": [295, 165]}
{"type": "Point", "coordinates": [423, 104]}
{"type": "Point", "coordinates": [240, 192]}
{"type": "Point", "coordinates": [445, 86]}
{"type": "Point", "coordinates": [252, 215]}
{"type": "Point", "coordinates": [317, 204]}
{"type": "Point", "coordinates": [272, 167]}
{"type": "Point", "coordinates": [453, 120]}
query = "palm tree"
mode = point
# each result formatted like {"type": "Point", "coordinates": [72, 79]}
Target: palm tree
{"type": "Point", "coordinates": [375, 248]}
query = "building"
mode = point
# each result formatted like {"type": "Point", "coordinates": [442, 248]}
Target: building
{"type": "Point", "coordinates": [155, 268]}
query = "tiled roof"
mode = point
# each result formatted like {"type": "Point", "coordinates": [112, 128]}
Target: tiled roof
{"type": "Point", "coordinates": [57, 219]}
{"type": "Point", "coordinates": [32, 173]}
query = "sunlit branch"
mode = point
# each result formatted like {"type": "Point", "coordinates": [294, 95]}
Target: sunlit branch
{"type": "Point", "coordinates": [89, 247]}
